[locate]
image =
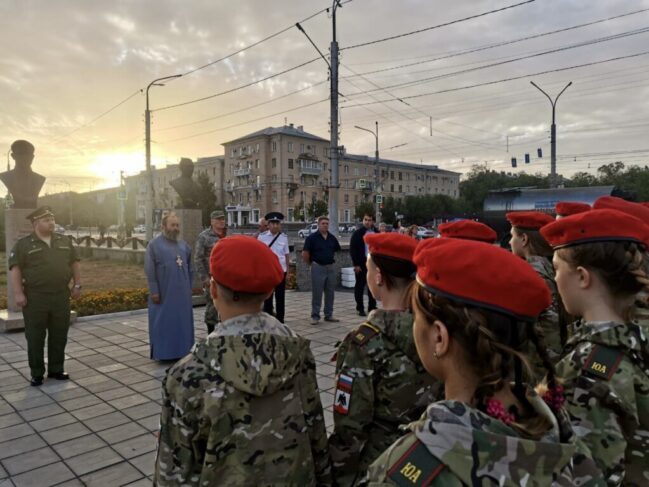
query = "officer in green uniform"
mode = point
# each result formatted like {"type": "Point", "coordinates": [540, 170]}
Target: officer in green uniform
{"type": "Point", "coordinates": [42, 265]}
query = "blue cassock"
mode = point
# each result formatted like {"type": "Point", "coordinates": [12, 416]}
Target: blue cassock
{"type": "Point", "coordinates": [168, 271]}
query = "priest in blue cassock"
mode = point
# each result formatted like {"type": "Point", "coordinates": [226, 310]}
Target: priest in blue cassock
{"type": "Point", "coordinates": [168, 271]}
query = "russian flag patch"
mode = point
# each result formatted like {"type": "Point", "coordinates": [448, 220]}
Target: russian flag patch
{"type": "Point", "coordinates": [343, 395]}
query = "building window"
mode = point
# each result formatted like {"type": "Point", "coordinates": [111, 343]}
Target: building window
{"type": "Point", "coordinates": [392, 175]}
{"type": "Point", "coordinates": [301, 148]}
{"type": "Point", "coordinates": [400, 176]}
{"type": "Point", "coordinates": [274, 196]}
{"type": "Point", "coordinates": [240, 198]}
{"type": "Point", "coordinates": [256, 163]}
{"type": "Point", "coordinates": [290, 146]}
{"type": "Point", "coordinates": [346, 169]}
{"type": "Point", "coordinates": [407, 189]}
{"type": "Point", "coordinates": [273, 162]}
{"type": "Point", "coordinates": [274, 177]}
{"type": "Point", "coordinates": [365, 172]}
{"type": "Point", "coordinates": [257, 148]}
{"type": "Point", "coordinates": [356, 173]}
{"type": "Point", "coordinates": [356, 199]}
{"type": "Point", "coordinates": [273, 146]}
{"type": "Point", "coordinates": [392, 188]}
{"type": "Point", "coordinates": [407, 176]}
{"type": "Point", "coordinates": [400, 189]}
{"type": "Point", "coordinates": [346, 198]}
{"type": "Point", "coordinates": [290, 163]}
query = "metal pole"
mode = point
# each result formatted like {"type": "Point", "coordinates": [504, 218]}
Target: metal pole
{"type": "Point", "coordinates": [553, 134]}
{"type": "Point", "coordinates": [148, 217]}
{"type": "Point", "coordinates": [334, 149]}
{"type": "Point", "coordinates": [376, 166]}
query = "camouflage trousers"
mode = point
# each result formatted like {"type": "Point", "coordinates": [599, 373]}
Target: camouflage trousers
{"type": "Point", "coordinates": [211, 314]}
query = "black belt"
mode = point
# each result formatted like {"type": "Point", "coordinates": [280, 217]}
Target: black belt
{"type": "Point", "coordinates": [330, 263]}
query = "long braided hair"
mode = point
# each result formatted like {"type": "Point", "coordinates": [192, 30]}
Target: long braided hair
{"type": "Point", "coordinates": [493, 342]}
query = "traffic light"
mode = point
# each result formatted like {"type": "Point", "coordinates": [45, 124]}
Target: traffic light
{"type": "Point", "coordinates": [527, 158]}
{"type": "Point", "coordinates": [539, 152]}
{"type": "Point", "coordinates": [379, 199]}
{"type": "Point", "coordinates": [513, 162]}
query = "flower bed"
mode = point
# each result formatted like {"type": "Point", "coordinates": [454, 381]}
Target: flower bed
{"type": "Point", "coordinates": [115, 300]}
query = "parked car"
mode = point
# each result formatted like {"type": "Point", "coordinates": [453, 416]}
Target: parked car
{"type": "Point", "coordinates": [59, 228]}
{"type": "Point", "coordinates": [139, 229]}
{"type": "Point", "coordinates": [305, 232]}
{"type": "Point", "coordinates": [424, 232]}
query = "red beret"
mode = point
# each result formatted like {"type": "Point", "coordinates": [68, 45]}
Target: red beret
{"type": "Point", "coordinates": [645, 203]}
{"type": "Point", "coordinates": [595, 226]}
{"type": "Point", "coordinates": [567, 208]}
{"type": "Point", "coordinates": [481, 275]}
{"type": "Point", "coordinates": [528, 220]}
{"type": "Point", "coordinates": [613, 203]}
{"type": "Point", "coordinates": [395, 245]}
{"type": "Point", "coordinates": [245, 265]}
{"type": "Point", "coordinates": [468, 229]}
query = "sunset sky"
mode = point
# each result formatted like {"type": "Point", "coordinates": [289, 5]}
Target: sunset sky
{"type": "Point", "coordinates": [65, 63]}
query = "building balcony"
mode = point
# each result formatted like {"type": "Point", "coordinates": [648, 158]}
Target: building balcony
{"type": "Point", "coordinates": [242, 172]}
{"type": "Point", "coordinates": [313, 171]}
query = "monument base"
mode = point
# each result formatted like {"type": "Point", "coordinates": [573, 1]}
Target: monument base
{"type": "Point", "coordinates": [191, 225]}
{"type": "Point", "coordinates": [13, 320]}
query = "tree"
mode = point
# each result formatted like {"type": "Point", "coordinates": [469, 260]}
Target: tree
{"type": "Point", "coordinates": [365, 208]}
{"type": "Point", "coordinates": [313, 210]}
{"type": "Point", "coordinates": [206, 197]}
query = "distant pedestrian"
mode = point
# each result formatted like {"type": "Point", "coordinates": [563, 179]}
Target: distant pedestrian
{"type": "Point", "coordinates": [263, 227]}
{"type": "Point", "coordinates": [243, 408]}
{"type": "Point", "coordinates": [42, 265]}
{"type": "Point", "coordinates": [412, 231]}
{"type": "Point", "coordinates": [358, 253]}
{"type": "Point", "coordinates": [167, 265]}
{"type": "Point", "coordinates": [202, 248]}
{"type": "Point", "coordinates": [278, 243]}
{"type": "Point", "coordinates": [319, 252]}
{"type": "Point", "coordinates": [382, 227]}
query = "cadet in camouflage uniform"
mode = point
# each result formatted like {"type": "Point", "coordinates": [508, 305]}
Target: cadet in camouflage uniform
{"type": "Point", "coordinates": [601, 264]}
{"type": "Point", "coordinates": [243, 408]}
{"type": "Point", "coordinates": [202, 248]}
{"type": "Point", "coordinates": [471, 314]}
{"type": "Point", "coordinates": [527, 243]}
{"type": "Point", "coordinates": [381, 383]}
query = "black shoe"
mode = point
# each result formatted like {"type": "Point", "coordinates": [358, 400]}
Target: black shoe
{"type": "Point", "coordinates": [361, 313]}
{"type": "Point", "coordinates": [331, 319]}
{"type": "Point", "coordinates": [36, 381]}
{"type": "Point", "coordinates": [59, 376]}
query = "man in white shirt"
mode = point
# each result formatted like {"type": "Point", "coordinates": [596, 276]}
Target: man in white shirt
{"type": "Point", "coordinates": [278, 243]}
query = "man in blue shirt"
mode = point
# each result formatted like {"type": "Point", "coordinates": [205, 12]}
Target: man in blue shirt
{"type": "Point", "coordinates": [319, 252]}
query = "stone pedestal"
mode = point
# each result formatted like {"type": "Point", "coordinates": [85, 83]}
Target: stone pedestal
{"type": "Point", "coordinates": [191, 225]}
{"type": "Point", "coordinates": [16, 227]}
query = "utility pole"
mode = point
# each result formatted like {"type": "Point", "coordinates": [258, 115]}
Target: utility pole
{"type": "Point", "coordinates": [334, 150]}
{"type": "Point", "coordinates": [148, 217]}
{"type": "Point", "coordinates": [553, 135]}
{"type": "Point", "coordinates": [376, 169]}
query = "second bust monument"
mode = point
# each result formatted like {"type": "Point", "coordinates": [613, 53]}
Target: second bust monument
{"type": "Point", "coordinates": [185, 186]}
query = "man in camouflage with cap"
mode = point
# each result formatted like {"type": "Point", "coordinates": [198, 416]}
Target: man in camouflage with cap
{"type": "Point", "coordinates": [202, 249]}
{"type": "Point", "coordinates": [42, 265]}
{"type": "Point", "coordinates": [243, 408]}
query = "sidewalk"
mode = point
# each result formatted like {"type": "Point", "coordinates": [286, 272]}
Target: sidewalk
{"type": "Point", "coordinates": [99, 429]}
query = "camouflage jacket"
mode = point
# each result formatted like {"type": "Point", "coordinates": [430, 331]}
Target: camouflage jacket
{"type": "Point", "coordinates": [607, 395]}
{"type": "Point", "coordinates": [202, 249]}
{"type": "Point", "coordinates": [243, 408]}
{"type": "Point", "coordinates": [548, 322]}
{"type": "Point", "coordinates": [641, 315]}
{"type": "Point", "coordinates": [456, 445]}
{"type": "Point", "coordinates": [381, 384]}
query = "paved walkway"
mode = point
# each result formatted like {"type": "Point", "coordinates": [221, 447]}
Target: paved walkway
{"type": "Point", "coordinates": [99, 428]}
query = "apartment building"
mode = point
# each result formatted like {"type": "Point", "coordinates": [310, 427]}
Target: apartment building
{"type": "Point", "coordinates": [280, 168]}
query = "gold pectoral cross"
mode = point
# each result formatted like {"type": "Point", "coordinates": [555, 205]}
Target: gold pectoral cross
{"type": "Point", "coordinates": [179, 261]}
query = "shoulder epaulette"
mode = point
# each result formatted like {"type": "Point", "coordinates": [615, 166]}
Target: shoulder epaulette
{"type": "Point", "coordinates": [416, 468]}
{"type": "Point", "coordinates": [363, 333]}
{"type": "Point", "coordinates": [603, 362]}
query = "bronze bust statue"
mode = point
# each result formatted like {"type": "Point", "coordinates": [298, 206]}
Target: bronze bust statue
{"type": "Point", "coordinates": [185, 186]}
{"type": "Point", "coordinates": [23, 183]}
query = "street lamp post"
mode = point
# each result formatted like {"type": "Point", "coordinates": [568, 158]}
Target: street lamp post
{"type": "Point", "coordinates": [376, 168]}
{"type": "Point", "coordinates": [148, 217]}
{"type": "Point", "coordinates": [553, 134]}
